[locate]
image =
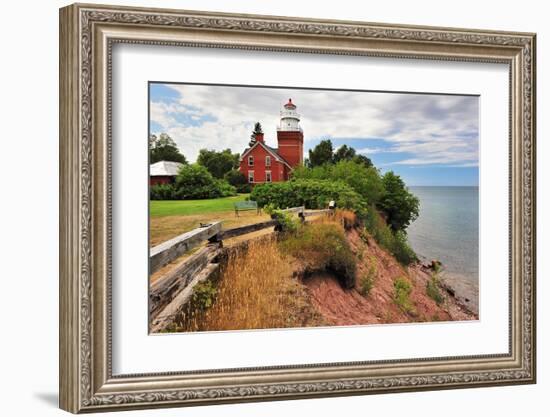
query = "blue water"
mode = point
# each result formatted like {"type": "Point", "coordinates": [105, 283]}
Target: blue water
{"type": "Point", "coordinates": [447, 228]}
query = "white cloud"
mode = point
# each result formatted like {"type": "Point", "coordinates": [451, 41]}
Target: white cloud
{"type": "Point", "coordinates": [370, 151]}
{"type": "Point", "coordinates": [430, 127]}
{"type": "Point", "coordinates": [455, 152]}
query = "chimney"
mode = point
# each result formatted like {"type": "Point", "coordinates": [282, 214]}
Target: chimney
{"type": "Point", "coordinates": [260, 137]}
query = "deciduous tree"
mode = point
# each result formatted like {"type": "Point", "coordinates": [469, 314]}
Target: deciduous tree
{"type": "Point", "coordinates": [398, 203]}
{"type": "Point", "coordinates": [218, 163]}
{"type": "Point", "coordinates": [163, 148]}
{"type": "Point", "coordinates": [344, 153]}
{"type": "Point", "coordinates": [322, 154]}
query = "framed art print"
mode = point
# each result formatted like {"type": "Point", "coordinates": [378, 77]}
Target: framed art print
{"type": "Point", "coordinates": [257, 208]}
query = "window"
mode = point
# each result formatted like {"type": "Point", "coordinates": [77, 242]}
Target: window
{"type": "Point", "coordinates": [268, 161]}
{"type": "Point", "coordinates": [250, 176]}
{"type": "Point", "coordinates": [268, 176]}
{"type": "Point", "coordinates": [250, 161]}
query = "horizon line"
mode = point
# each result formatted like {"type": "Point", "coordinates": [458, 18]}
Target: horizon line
{"type": "Point", "coordinates": [443, 185]}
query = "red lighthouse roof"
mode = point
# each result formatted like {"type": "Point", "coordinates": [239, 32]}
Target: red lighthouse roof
{"type": "Point", "coordinates": [290, 104]}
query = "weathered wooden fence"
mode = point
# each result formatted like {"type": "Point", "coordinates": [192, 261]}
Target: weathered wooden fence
{"type": "Point", "coordinates": [167, 251]}
{"type": "Point", "coordinates": [170, 293]}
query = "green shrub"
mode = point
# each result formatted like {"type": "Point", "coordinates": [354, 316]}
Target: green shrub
{"type": "Point", "coordinates": [162, 192]}
{"type": "Point", "coordinates": [204, 294]}
{"type": "Point", "coordinates": [195, 182]}
{"type": "Point", "coordinates": [238, 180]}
{"type": "Point", "coordinates": [225, 189]}
{"type": "Point", "coordinates": [401, 249]}
{"type": "Point", "coordinates": [243, 188]}
{"type": "Point", "coordinates": [323, 246]}
{"type": "Point", "coordinates": [363, 179]}
{"type": "Point", "coordinates": [395, 242]}
{"type": "Point", "coordinates": [401, 295]}
{"type": "Point", "coordinates": [432, 289]}
{"type": "Point", "coordinates": [378, 228]}
{"type": "Point", "coordinates": [287, 223]}
{"type": "Point", "coordinates": [313, 194]}
{"type": "Point", "coordinates": [270, 208]}
{"type": "Point", "coordinates": [366, 283]}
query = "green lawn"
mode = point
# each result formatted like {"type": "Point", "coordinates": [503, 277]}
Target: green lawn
{"type": "Point", "coordinates": [191, 207]}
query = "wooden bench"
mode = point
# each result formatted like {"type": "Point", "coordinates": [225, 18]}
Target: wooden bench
{"type": "Point", "coordinates": [246, 205]}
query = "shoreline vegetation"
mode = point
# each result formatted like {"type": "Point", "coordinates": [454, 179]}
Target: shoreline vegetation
{"type": "Point", "coordinates": [352, 267]}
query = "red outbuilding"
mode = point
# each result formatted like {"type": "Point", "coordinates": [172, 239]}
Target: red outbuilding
{"type": "Point", "coordinates": [261, 163]}
{"type": "Point", "coordinates": [163, 172]}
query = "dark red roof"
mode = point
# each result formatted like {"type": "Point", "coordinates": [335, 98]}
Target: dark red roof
{"type": "Point", "coordinates": [271, 150]}
{"type": "Point", "coordinates": [290, 103]}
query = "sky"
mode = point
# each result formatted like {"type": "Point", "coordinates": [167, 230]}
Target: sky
{"type": "Point", "coordinates": [428, 139]}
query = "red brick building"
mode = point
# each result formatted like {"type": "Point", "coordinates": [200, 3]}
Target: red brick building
{"type": "Point", "coordinates": [261, 163]}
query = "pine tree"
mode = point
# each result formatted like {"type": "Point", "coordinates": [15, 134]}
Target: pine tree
{"type": "Point", "coordinates": [257, 129]}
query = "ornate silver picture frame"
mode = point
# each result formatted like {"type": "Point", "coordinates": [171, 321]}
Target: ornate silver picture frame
{"type": "Point", "coordinates": [87, 36]}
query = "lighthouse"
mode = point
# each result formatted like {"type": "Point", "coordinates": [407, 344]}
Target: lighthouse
{"type": "Point", "coordinates": [290, 137]}
{"type": "Point", "coordinates": [290, 119]}
{"type": "Point", "coordinates": [260, 163]}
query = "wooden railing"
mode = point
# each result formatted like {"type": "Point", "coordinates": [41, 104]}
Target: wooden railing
{"type": "Point", "coordinates": [168, 294]}
{"type": "Point", "coordinates": [167, 251]}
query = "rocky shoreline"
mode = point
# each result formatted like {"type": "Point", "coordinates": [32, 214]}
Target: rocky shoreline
{"type": "Point", "coordinates": [457, 286]}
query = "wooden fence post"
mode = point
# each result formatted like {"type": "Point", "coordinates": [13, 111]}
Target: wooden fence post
{"type": "Point", "coordinates": [167, 251]}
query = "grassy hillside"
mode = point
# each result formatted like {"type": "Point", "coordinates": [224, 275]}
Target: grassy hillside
{"type": "Point", "coordinates": [171, 218]}
{"type": "Point", "coordinates": [190, 207]}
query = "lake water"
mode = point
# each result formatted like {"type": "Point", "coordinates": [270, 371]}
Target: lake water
{"type": "Point", "coordinates": [447, 229]}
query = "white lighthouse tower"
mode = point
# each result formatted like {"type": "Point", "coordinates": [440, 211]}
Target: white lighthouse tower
{"type": "Point", "coordinates": [290, 119]}
{"type": "Point", "coordinates": [290, 137]}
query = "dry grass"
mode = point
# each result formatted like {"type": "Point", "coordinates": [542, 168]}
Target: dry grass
{"type": "Point", "coordinates": [256, 288]}
{"type": "Point", "coordinates": [256, 291]}
{"type": "Point", "coordinates": [166, 269]}
{"type": "Point", "coordinates": [346, 218]}
{"type": "Point", "coordinates": [167, 227]}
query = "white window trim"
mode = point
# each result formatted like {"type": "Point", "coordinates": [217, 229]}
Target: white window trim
{"type": "Point", "coordinates": [270, 177]}
{"type": "Point", "coordinates": [251, 161]}
{"type": "Point", "coordinates": [250, 172]}
{"type": "Point", "coordinates": [268, 160]}
{"type": "Point", "coordinates": [268, 151]}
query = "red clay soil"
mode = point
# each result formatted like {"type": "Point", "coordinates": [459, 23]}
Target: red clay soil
{"type": "Point", "coordinates": [339, 307]}
{"type": "Point", "coordinates": [348, 307]}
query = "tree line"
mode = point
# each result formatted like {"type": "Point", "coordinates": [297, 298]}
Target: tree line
{"type": "Point", "coordinates": [383, 202]}
{"type": "Point", "coordinates": [215, 173]}
{"type": "Point", "coordinates": [343, 175]}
